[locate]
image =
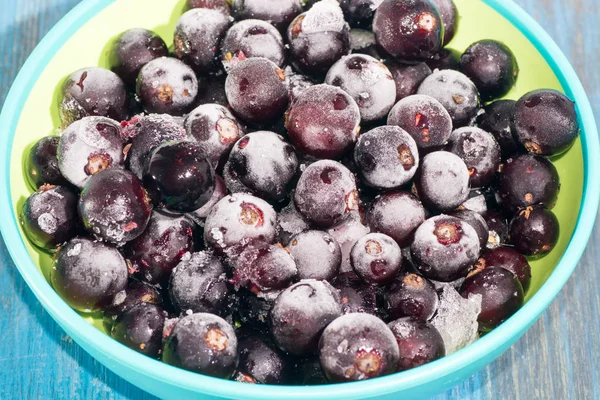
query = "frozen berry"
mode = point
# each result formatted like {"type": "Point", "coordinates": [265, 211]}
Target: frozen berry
{"type": "Point", "coordinates": [442, 181]}
{"type": "Point", "coordinates": [238, 220]}
{"type": "Point", "coordinates": [450, 17]}
{"type": "Point", "coordinates": [425, 120]}
{"type": "Point", "coordinates": [323, 122]}
{"type": "Point", "coordinates": [114, 206]}
{"type": "Point", "coordinates": [356, 347]}
{"type": "Point", "coordinates": [363, 42]}
{"type": "Point", "coordinates": [480, 152]}
{"type": "Point", "coordinates": [198, 283]}
{"type": "Point", "coordinates": [359, 13]}
{"type": "Point", "coordinates": [197, 38]}
{"type": "Point", "coordinates": [457, 93]}
{"type": "Point", "coordinates": [252, 311]}
{"type": "Point", "coordinates": [409, 30]}
{"type": "Point", "coordinates": [278, 13]}
{"type": "Point", "coordinates": [167, 85]}
{"type": "Point", "coordinates": [93, 92]}
{"type": "Point", "coordinates": [137, 292]}
{"type": "Point", "coordinates": [476, 202]}
{"type": "Point", "coordinates": [445, 59]}
{"type": "Point", "coordinates": [497, 120]}
{"type": "Point", "coordinates": [318, 38]}
{"type": "Point", "coordinates": [200, 214]}
{"type": "Point", "coordinates": [501, 295]}
{"type": "Point", "coordinates": [297, 83]}
{"type": "Point", "coordinates": [411, 296]}
{"type": "Point", "coordinates": [407, 77]}
{"type": "Point", "coordinates": [301, 313]}
{"type": "Point", "coordinates": [290, 223]}
{"type": "Point", "coordinates": [492, 67]}
{"type": "Point", "coordinates": [202, 343]}
{"type": "Point", "coordinates": [49, 216]}
{"type": "Point", "coordinates": [147, 133]}
{"type": "Point", "coordinates": [498, 229]}
{"type": "Point", "coordinates": [256, 90]}
{"type": "Point", "coordinates": [346, 233]}
{"type": "Point", "coordinates": [396, 214]}
{"type": "Point", "coordinates": [179, 177]}
{"type": "Point", "coordinates": [87, 274]}
{"type": "Point", "coordinates": [141, 328]}
{"type": "Point", "coordinates": [325, 193]}
{"type": "Point", "coordinates": [317, 254]}
{"type": "Point", "coordinates": [477, 222]}
{"type": "Point", "coordinates": [132, 50]}
{"type": "Point", "coordinates": [376, 258]}
{"type": "Point", "coordinates": [387, 157]}
{"type": "Point", "coordinates": [509, 259]}
{"type": "Point", "coordinates": [263, 163]}
{"type": "Point", "coordinates": [220, 5]}
{"type": "Point", "coordinates": [534, 231]}
{"type": "Point", "coordinates": [445, 248]}
{"type": "Point", "coordinates": [368, 81]}
{"type": "Point", "coordinates": [526, 180]}
{"type": "Point", "coordinates": [252, 38]}
{"type": "Point", "coordinates": [157, 251]}
{"type": "Point", "coordinates": [41, 163]}
{"type": "Point", "coordinates": [356, 295]}
{"type": "Point", "coordinates": [89, 146]}
{"type": "Point", "coordinates": [263, 267]}
{"type": "Point", "coordinates": [260, 363]}
{"type": "Point", "coordinates": [419, 342]}
{"type": "Point", "coordinates": [545, 122]}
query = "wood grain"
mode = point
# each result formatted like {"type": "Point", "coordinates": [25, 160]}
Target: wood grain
{"type": "Point", "coordinates": [558, 358]}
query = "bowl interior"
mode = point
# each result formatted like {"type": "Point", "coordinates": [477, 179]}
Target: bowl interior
{"type": "Point", "coordinates": [88, 47]}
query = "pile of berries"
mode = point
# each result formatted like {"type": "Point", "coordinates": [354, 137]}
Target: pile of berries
{"type": "Point", "coordinates": [299, 193]}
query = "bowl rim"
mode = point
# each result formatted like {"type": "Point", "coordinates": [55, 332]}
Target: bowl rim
{"type": "Point", "coordinates": [173, 376]}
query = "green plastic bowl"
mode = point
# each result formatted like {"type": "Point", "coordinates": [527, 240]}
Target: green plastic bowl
{"type": "Point", "coordinates": [80, 40]}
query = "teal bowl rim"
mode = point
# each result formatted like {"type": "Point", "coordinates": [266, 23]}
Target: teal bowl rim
{"type": "Point", "coordinates": [172, 376]}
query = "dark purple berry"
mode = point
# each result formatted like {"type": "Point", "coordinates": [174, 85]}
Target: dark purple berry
{"type": "Point", "coordinates": [199, 284]}
{"type": "Point", "coordinates": [260, 363]}
{"type": "Point", "coordinates": [179, 177]}
{"type": "Point", "coordinates": [356, 295]}
{"type": "Point", "coordinates": [497, 120]}
{"type": "Point", "coordinates": [498, 229]}
{"type": "Point", "coordinates": [376, 258]}
{"type": "Point", "coordinates": [263, 163]}
{"type": "Point", "coordinates": [301, 313]}
{"type": "Point", "coordinates": [545, 122]}
{"type": "Point", "coordinates": [87, 274]}
{"type": "Point", "coordinates": [411, 296]}
{"type": "Point", "coordinates": [132, 50]}
{"type": "Point", "coordinates": [137, 292]}
{"type": "Point", "coordinates": [93, 92]}
{"type": "Point", "coordinates": [323, 122]}
{"type": "Point", "coordinates": [450, 17]}
{"type": "Point", "coordinates": [368, 81]}
{"type": "Point", "coordinates": [476, 202]}
{"type": "Point", "coordinates": [200, 214]}
{"type": "Point", "coordinates": [457, 93]}
{"type": "Point", "coordinates": [317, 254]}
{"type": "Point", "coordinates": [252, 38]}
{"type": "Point", "coordinates": [492, 67]}
{"type": "Point", "coordinates": [480, 152]}
{"type": "Point", "coordinates": [526, 180]}
{"type": "Point", "coordinates": [509, 259]}
{"type": "Point", "coordinates": [318, 38]}
{"type": "Point", "coordinates": [141, 328]}
{"type": "Point", "coordinates": [256, 90]}
{"type": "Point", "coordinates": [407, 77]}
{"type": "Point", "coordinates": [387, 157]}
{"type": "Point", "coordinates": [445, 248]}
{"type": "Point", "coordinates": [212, 90]}
{"type": "Point", "coordinates": [408, 29]}
{"type": "Point", "coordinates": [396, 214]}
{"type": "Point", "coordinates": [442, 181]}
{"type": "Point", "coordinates": [219, 5]}
{"type": "Point", "coordinates": [534, 231]}
{"type": "Point", "coordinates": [202, 343]}
{"type": "Point", "coordinates": [41, 163]}
{"type": "Point", "coordinates": [114, 206]}
{"type": "Point", "coordinates": [501, 295]}
{"type": "Point", "coordinates": [252, 311]}
{"type": "Point", "coordinates": [359, 13]}
{"type": "Point", "coordinates": [346, 233]}
{"type": "Point", "coordinates": [90, 146]}
{"type": "Point", "coordinates": [49, 216]}
{"type": "Point", "coordinates": [445, 59]}
{"type": "Point", "coordinates": [290, 223]}
{"type": "Point", "coordinates": [477, 222]}
{"type": "Point", "coordinates": [167, 85]}
{"type": "Point", "coordinates": [325, 193]}
{"type": "Point", "coordinates": [278, 13]}
{"type": "Point", "coordinates": [197, 37]}
{"type": "Point", "coordinates": [356, 347]}
{"type": "Point", "coordinates": [419, 342]}
{"type": "Point", "coordinates": [238, 220]}
{"type": "Point", "coordinates": [425, 120]}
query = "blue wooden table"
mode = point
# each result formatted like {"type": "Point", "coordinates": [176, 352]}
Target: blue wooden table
{"type": "Point", "coordinates": [558, 358]}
